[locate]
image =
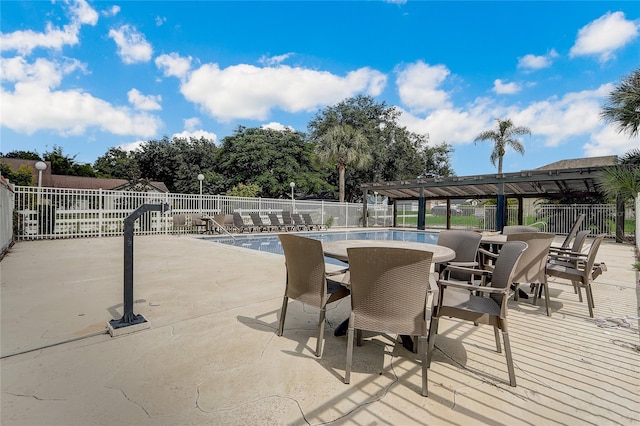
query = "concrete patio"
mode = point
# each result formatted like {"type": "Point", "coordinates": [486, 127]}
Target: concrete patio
{"type": "Point", "coordinates": [211, 355]}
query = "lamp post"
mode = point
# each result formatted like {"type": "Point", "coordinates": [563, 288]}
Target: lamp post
{"type": "Point", "coordinates": [200, 178]}
{"type": "Point", "coordinates": [40, 166]}
{"type": "Point", "coordinates": [293, 200]}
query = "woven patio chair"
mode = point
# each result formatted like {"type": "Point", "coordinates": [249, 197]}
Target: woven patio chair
{"type": "Point", "coordinates": [469, 306]}
{"type": "Point", "coordinates": [572, 232]}
{"type": "Point", "coordinates": [389, 293]}
{"type": "Point", "coordinates": [581, 269]}
{"type": "Point", "coordinates": [307, 280]}
{"type": "Point", "coordinates": [518, 229]}
{"type": "Point", "coordinates": [465, 244]}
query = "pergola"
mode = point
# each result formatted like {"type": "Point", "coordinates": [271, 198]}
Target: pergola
{"type": "Point", "coordinates": [549, 183]}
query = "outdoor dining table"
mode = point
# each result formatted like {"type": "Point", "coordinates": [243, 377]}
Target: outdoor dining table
{"type": "Point", "coordinates": [338, 249]}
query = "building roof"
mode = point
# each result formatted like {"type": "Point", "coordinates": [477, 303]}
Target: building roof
{"type": "Point", "coordinates": [567, 178]}
{"type": "Point", "coordinates": [76, 182]}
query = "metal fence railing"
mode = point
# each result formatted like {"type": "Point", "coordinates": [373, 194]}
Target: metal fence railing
{"type": "Point", "coordinates": [600, 218]}
{"type": "Point", "coordinates": [6, 215]}
{"type": "Point", "coordinates": [73, 213]}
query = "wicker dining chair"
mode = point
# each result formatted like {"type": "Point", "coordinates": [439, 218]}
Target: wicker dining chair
{"type": "Point", "coordinates": [307, 280]}
{"type": "Point", "coordinates": [389, 294]}
{"type": "Point", "coordinates": [470, 306]}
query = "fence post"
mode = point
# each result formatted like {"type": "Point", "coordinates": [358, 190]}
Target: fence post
{"type": "Point", "coordinates": [100, 212]}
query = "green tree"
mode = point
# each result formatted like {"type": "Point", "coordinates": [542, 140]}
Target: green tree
{"type": "Point", "coordinates": [23, 155]}
{"type": "Point", "coordinates": [22, 177]}
{"type": "Point", "coordinates": [271, 159]}
{"type": "Point", "coordinates": [177, 162]}
{"type": "Point", "coordinates": [242, 190]}
{"type": "Point", "coordinates": [622, 106]}
{"type": "Point", "coordinates": [437, 160]}
{"type": "Point", "coordinates": [62, 164]}
{"type": "Point", "coordinates": [344, 146]}
{"type": "Point", "coordinates": [622, 181]}
{"type": "Point", "coordinates": [117, 163]}
{"type": "Point", "coordinates": [504, 137]}
{"type": "Point", "coordinates": [396, 152]}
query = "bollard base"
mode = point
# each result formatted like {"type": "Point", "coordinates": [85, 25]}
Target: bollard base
{"type": "Point", "coordinates": [118, 328]}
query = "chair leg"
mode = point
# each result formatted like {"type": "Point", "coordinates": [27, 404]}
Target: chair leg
{"type": "Point", "coordinates": [359, 337]}
{"type": "Point", "coordinates": [497, 335]}
{"type": "Point", "coordinates": [433, 330]}
{"type": "Point", "coordinates": [422, 344]}
{"type": "Point", "coordinates": [516, 288]}
{"type": "Point", "coordinates": [534, 287]}
{"type": "Point", "coordinates": [347, 371]}
{"type": "Point", "coordinates": [589, 299]}
{"type": "Point", "coordinates": [507, 350]}
{"type": "Point", "coordinates": [323, 313]}
{"type": "Point", "coordinates": [283, 313]}
{"type": "Point", "coordinates": [577, 288]}
{"type": "Point", "coordinates": [546, 297]}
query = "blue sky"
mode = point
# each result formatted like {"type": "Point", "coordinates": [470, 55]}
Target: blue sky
{"type": "Point", "coordinates": [88, 76]}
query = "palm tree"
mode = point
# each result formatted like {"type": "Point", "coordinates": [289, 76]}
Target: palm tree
{"type": "Point", "coordinates": [622, 106]}
{"type": "Point", "coordinates": [623, 180]}
{"type": "Point", "coordinates": [502, 138]}
{"type": "Point", "coordinates": [346, 146]}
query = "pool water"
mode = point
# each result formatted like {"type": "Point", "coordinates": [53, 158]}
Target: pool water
{"type": "Point", "coordinates": [271, 243]}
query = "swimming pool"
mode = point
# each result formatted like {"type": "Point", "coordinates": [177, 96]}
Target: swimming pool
{"type": "Point", "coordinates": [271, 243]}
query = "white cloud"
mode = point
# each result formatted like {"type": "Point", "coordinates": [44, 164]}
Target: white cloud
{"type": "Point", "coordinates": [250, 92]}
{"type": "Point", "coordinates": [197, 134]}
{"type": "Point", "coordinates": [552, 121]}
{"type": "Point", "coordinates": [112, 11]}
{"type": "Point", "coordinates": [190, 124]}
{"type": "Point", "coordinates": [418, 86]}
{"type": "Point", "coordinates": [131, 146]}
{"type": "Point", "coordinates": [274, 60]}
{"type": "Point", "coordinates": [174, 65]}
{"type": "Point", "coordinates": [35, 105]}
{"type": "Point", "coordinates": [505, 88]}
{"type": "Point", "coordinates": [533, 62]}
{"type": "Point", "coordinates": [608, 141]}
{"type": "Point", "coordinates": [24, 42]}
{"type": "Point", "coordinates": [160, 20]}
{"type": "Point", "coordinates": [277, 126]}
{"type": "Point", "coordinates": [140, 101]}
{"type": "Point", "coordinates": [604, 36]}
{"type": "Point", "coordinates": [132, 45]}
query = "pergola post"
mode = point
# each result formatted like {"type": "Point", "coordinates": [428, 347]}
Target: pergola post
{"type": "Point", "coordinates": [422, 207]}
{"type": "Point", "coordinates": [448, 213]}
{"type": "Point", "coordinates": [365, 222]}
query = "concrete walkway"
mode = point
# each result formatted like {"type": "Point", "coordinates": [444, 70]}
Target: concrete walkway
{"type": "Point", "coordinates": [211, 355]}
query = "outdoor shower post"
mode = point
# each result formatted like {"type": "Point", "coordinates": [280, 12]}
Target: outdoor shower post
{"type": "Point", "coordinates": [128, 317]}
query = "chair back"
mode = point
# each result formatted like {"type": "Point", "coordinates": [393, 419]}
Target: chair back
{"type": "Point", "coordinates": [228, 220]}
{"type": "Point", "coordinates": [464, 243]}
{"type": "Point", "coordinates": [196, 220]}
{"type": "Point", "coordinates": [273, 218]}
{"type": "Point", "coordinates": [532, 265]}
{"type": "Point", "coordinates": [237, 220]}
{"type": "Point", "coordinates": [256, 219]}
{"type": "Point", "coordinates": [389, 289]}
{"type": "Point", "coordinates": [297, 219]}
{"type": "Point", "coordinates": [579, 240]}
{"type": "Point", "coordinates": [505, 268]}
{"type": "Point", "coordinates": [219, 219]}
{"type": "Point", "coordinates": [304, 259]}
{"type": "Point", "coordinates": [179, 220]}
{"type": "Point", "coordinates": [574, 230]}
{"type": "Point", "coordinates": [307, 219]}
{"type": "Point", "coordinates": [591, 257]}
{"type": "Point", "coordinates": [518, 229]}
{"type": "Point", "coordinates": [286, 218]}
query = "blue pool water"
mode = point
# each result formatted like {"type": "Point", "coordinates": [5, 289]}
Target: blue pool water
{"type": "Point", "coordinates": [271, 243]}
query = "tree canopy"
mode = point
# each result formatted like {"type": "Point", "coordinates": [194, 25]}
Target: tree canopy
{"type": "Point", "coordinates": [622, 106]}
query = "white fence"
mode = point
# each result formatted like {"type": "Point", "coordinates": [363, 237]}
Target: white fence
{"type": "Point", "coordinates": [6, 214]}
{"type": "Point", "coordinates": [72, 213]}
{"type": "Point", "coordinates": [600, 218]}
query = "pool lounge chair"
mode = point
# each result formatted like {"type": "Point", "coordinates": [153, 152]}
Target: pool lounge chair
{"type": "Point", "coordinates": [310, 224]}
{"type": "Point", "coordinates": [239, 225]}
{"type": "Point", "coordinates": [275, 222]}
{"type": "Point", "coordinates": [297, 220]}
{"type": "Point", "coordinates": [288, 221]}
{"type": "Point", "coordinates": [258, 224]}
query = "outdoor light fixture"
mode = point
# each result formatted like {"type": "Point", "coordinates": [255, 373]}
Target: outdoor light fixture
{"type": "Point", "coordinates": [293, 200]}
{"type": "Point", "coordinates": [200, 178]}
